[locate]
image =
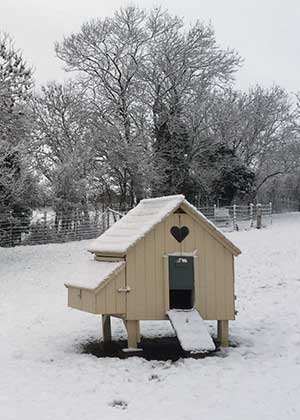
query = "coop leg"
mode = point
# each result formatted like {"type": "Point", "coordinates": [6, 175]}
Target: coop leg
{"type": "Point", "coordinates": [138, 332]}
{"type": "Point", "coordinates": [223, 327]}
{"type": "Point", "coordinates": [106, 328]}
{"type": "Point", "coordinates": [133, 333]}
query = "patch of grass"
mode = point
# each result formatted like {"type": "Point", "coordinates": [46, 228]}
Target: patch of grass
{"type": "Point", "coordinates": [119, 404]}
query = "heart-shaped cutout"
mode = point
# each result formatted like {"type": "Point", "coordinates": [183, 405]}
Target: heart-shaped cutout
{"type": "Point", "coordinates": [179, 233]}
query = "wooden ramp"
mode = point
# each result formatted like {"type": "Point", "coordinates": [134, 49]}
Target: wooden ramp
{"type": "Point", "coordinates": [191, 330]}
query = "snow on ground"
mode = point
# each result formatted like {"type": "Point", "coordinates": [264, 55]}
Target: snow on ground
{"type": "Point", "coordinates": [44, 375]}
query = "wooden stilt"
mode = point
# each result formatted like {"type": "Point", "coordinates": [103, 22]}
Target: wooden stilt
{"type": "Point", "coordinates": [106, 328]}
{"type": "Point", "coordinates": [223, 332]}
{"type": "Point", "coordinates": [133, 333]}
{"type": "Point", "coordinates": [138, 332]}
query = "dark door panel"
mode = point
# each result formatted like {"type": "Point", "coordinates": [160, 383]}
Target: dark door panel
{"type": "Point", "coordinates": [181, 272]}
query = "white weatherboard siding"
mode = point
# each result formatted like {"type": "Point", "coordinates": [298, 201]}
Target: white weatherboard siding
{"type": "Point", "coordinates": [91, 274]}
{"type": "Point", "coordinates": [191, 330]}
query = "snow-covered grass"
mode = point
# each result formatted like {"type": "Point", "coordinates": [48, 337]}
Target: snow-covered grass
{"type": "Point", "coordinates": [44, 375]}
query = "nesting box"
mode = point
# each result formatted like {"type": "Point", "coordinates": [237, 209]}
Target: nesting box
{"type": "Point", "coordinates": [163, 255]}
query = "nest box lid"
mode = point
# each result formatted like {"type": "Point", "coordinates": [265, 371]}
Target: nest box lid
{"type": "Point", "coordinates": [92, 274]}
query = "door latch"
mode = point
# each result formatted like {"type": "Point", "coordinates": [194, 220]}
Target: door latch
{"type": "Point", "coordinates": [125, 290]}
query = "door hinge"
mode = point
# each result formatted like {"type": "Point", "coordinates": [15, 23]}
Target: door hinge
{"type": "Point", "coordinates": [125, 290]}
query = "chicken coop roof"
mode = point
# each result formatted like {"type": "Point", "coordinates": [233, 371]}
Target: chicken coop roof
{"type": "Point", "coordinates": [126, 232]}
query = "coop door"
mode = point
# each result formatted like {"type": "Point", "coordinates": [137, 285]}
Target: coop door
{"type": "Point", "coordinates": [181, 281]}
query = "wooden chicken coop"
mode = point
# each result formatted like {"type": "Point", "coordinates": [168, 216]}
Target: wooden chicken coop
{"type": "Point", "coordinates": [163, 259]}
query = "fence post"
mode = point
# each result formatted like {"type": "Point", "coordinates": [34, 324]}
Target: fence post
{"type": "Point", "coordinates": [258, 216]}
{"type": "Point", "coordinates": [45, 226]}
{"type": "Point", "coordinates": [11, 228]}
{"type": "Point", "coordinates": [103, 220]}
{"type": "Point", "coordinates": [215, 213]}
{"type": "Point", "coordinates": [75, 224]}
{"type": "Point", "coordinates": [251, 214]}
{"type": "Point", "coordinates": [107, 219]}
{"type": "Point", "coordinates": [235, 227]}
{"type": "Point", "coordinates": [271, 212]}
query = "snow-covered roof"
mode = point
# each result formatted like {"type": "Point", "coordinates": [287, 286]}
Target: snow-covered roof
{"type": "Point", "coordinates": [91, 274]}
{"type": "Point", "coordinates": [125, 233]}
{"type": "Point", "coordinates": [135, 224]}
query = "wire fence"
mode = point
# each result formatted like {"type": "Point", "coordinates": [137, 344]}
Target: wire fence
{"type": "Point", "coordinates": [44, 227]}
{"type": "Point", "coordinates": [48, 227]}
{"type": "Point", "coordinates": [238, 217]}
{"type": "Point", "coordinates": [285, 205]}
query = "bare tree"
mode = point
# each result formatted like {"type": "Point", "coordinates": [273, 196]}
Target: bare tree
{"type": "Point", "coordinates": [259, 127]}
{"type": "Point", "coordinates": [144, 72]}
{"type": "Point", "coordinates": [160, 102]}
{"type": "Point", "coordinates": [108, 53]}
{"type": "Point", "coordinates": [63, 147]}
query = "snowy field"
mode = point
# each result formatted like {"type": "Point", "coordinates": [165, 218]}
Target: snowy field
{"type": "Point", "coordinates": [45, 377]}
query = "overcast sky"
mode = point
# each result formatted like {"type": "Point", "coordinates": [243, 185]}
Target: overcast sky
{"type": "Point", "coordinates": [266, 33]}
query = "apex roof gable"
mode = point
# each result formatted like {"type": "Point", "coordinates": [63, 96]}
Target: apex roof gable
{"type": "Point", "coordinates": [135, 225]}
